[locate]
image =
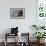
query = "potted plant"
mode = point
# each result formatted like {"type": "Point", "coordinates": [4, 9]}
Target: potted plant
{"type": "Point", "coordinates": [39, 35]}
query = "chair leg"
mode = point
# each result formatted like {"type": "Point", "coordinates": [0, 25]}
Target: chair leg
{"type": "Point", "coordinates": [5, 43]}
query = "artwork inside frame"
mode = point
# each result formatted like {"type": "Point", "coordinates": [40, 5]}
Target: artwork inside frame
{"type": "Point", "coordinates": [41, 12]}
{"type": "Point", "coordinates": [17, 13]}
{"type": "Point", "coordinates": [41, 8]}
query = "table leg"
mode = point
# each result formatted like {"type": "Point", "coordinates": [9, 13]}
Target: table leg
{"type": "Point", "coordinates": [5, 40]}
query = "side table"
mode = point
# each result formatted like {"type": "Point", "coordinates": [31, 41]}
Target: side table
{"type": "Point", "coordinates": [8, 34]}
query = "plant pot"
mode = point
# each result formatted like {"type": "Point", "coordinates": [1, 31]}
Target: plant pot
{"type": "Point", "coordinates": [40, 41]}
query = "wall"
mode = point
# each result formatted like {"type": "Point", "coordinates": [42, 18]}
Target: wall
{"type": "Point", "coordinates": [23, 24]}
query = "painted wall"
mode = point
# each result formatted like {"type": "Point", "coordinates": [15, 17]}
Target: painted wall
{"type": "Point", "coordinates": [23, 24]}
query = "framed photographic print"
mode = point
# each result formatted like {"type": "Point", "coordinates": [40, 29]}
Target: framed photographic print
{"type": "Point", "coordinates": [17, 13]}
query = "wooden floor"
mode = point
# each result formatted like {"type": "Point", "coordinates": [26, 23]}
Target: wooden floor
{"type": "Point", "coordinates": [13, 44]}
